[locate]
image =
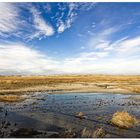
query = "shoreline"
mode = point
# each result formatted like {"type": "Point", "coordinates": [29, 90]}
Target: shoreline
{"type": "Point", "coordinates": [72, 84]}
{"type": "Point", "coordinates": [66, 90]}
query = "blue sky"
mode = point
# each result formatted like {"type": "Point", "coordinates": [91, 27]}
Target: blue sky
{"type": "Point", "coordinates": [59, 38]}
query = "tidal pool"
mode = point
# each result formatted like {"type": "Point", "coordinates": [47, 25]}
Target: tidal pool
{"type": "Point", "coordinates": [50, 114]}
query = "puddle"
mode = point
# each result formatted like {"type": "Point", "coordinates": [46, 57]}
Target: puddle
{"type": "Point", "coordinates": [49, 114]}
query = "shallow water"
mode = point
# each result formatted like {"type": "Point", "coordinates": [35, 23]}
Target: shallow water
{"type": "Point", "coordinates": [56, 112]}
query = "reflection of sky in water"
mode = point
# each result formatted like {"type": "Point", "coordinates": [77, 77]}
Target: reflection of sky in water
{"type": "Point", "coordinates": [44, 110]}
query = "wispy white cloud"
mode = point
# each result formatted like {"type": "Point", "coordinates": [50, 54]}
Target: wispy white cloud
{"type": "Point", "coordinates": [12, 21]}
{"type": "Point", "coordinates": [9, 21]}
{"type": "Point", "coordinates": [129, 45]}
{"type": "Point", "coordinates": [70, 17]}
{"type": "Point", "coordinates": [121, 48]}
{"type": "Point", "coordinates": [43, 29]}
{"type": "Point", "coordinates": [101, 38]}
{"type": "Point", "coordinates": [61, 27]}
{"type": "Point", "coordinates": [72, 14]}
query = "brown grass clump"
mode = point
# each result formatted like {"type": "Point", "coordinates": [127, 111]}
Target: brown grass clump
{"type": "Point", "coordinates": [85, 133]}
{"type": "Point", "coordinates": [98, 133]}
{"type": "Point", "coordinates": [69, 133]}
{"type": "Point", "coordinates": [80, 115]}
{"type": "Point", "coordinates": [123, 119]}
{"type": "Point", "coordinates": [10, 98]}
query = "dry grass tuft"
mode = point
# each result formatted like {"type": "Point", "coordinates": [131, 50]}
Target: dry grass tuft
{"type": "Point", "coordinates": [123, 119]}
{"type": "Point", "coordinates": [69, 133]}
{"type": "Point", "coordinates": [98, 133]}
{"type": "Point", "coordinates": [80, 115]}
{"type": "Point", "coordinates": [85, 133]}
{"type": "Point", "coordinates": [11, 98]}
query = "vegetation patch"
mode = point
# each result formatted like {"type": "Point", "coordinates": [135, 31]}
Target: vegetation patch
{"type": "Point", "coordinates": [11, 98]}
{"type": "Point", "coordinates": [80, 115]}
{"type": "Point", "coordinates": [97, 133]}
{"type": "Point", "coordinates": [123, 119]}
{"type": "Point", "coordinates": [25, 132]}
{"type": "Point", "coordinates": [126, 83]}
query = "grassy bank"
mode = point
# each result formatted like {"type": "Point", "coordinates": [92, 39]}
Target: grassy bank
{"type": "Point", "coordinates": [71, 83]}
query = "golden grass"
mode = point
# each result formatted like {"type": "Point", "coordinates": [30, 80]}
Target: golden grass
{"type": "Point", "coordinates": [97, 133]}
{"type": "Point", "coordinates": [10, 98]}
{"type": "Point", "coordinates": [123, 119]}
{"type": "Point", "coordinates": [131, 83]}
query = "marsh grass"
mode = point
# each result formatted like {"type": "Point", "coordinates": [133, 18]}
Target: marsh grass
{"type": "Point", "coordinates": [130, 83]}
{"type": "Point", "coordinates": [11, 98]}
{"type": "Point", "coordinates": [8, 82]}
{"type": "Point", "coordinates": [97, 133]}
{"type": "Point", "coordinates": [123, 119]}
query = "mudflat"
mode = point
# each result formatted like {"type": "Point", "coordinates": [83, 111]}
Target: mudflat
{"type": "Point", "coordinates": [71, 83]}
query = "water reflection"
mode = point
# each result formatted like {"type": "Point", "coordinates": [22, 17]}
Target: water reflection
{"type": "Point", "coordinates": [55, 112]}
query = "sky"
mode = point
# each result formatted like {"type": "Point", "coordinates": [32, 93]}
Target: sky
{"type": "Point", "coordinates": [69, 38]}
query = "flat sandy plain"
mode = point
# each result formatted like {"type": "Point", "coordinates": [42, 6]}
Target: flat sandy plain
{"type": "Point", "coordinates": [71, 83]}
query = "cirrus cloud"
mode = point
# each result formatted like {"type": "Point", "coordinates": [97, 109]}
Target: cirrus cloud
{"type": "Point", "coordinates": [9, 13]}
{"type": "Point", "coordinates": [43, 29]}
